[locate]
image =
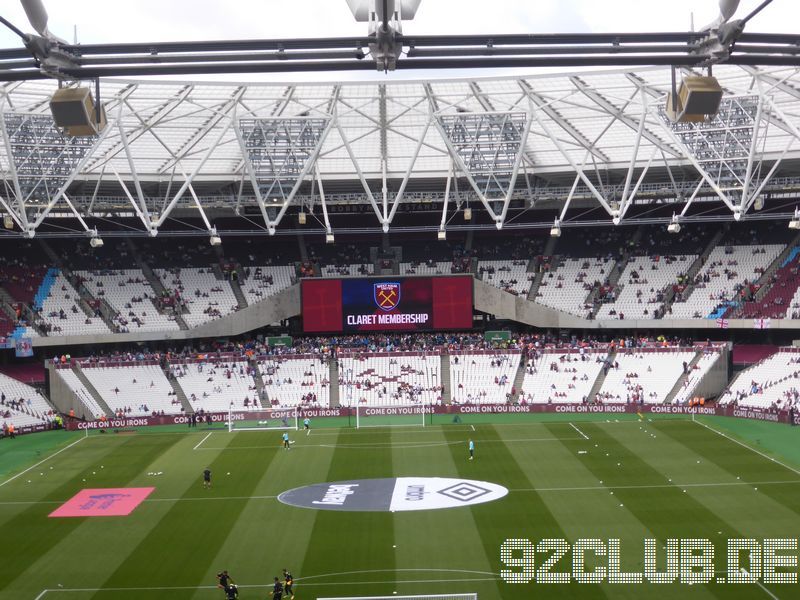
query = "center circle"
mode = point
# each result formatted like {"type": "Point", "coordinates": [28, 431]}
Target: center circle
{"type": "Point", "coordinates": [393, 494]}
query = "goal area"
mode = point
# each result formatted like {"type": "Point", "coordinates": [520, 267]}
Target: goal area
{"type": "Point", "coordinates": [469, 596]}
{"type": "Point", "coordinates": [416, 415]}
{"type": "Point", "coordinates": [263, 419]}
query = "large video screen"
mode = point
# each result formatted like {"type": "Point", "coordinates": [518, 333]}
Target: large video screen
{"type": "Point", "coordinates": [386, 304]}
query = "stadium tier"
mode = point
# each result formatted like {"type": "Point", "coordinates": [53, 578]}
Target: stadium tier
{"type": "Point", "coordinates": [562, 376]}
{"type": "Point", "coordinates": [397, 378]}
{"type": "Point", "coordinates": [375, 372]}
{"type": "Point", "coordinates": [22, 405]}
{"type": "Point", "coordinates": [483, 378]}
{"type": "Point", "coordinates": [216, 386]}
{"type": "Point", "coordinates": [153, 287]}
{"type": "Point", "coordinates": [295, 380]}
{"type": "Point", "coordinates": [771, 383]}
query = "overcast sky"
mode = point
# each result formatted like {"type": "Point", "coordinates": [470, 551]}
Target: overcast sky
{"type": "Point", "coordinates": [176, 20]}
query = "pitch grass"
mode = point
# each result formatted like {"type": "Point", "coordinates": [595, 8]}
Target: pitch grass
{"type": "Point", "coordinates": [177, 540]}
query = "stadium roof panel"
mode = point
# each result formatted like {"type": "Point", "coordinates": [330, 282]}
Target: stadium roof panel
{"type": "Point", "coordinates": [596, 121]}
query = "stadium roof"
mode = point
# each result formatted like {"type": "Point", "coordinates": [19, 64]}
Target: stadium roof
{"type": "Point", "coordinates": [170, 133]}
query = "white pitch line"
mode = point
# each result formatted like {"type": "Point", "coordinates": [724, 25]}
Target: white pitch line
{"type": "Point", "coordinates": [41, 595]}
{"type": "Point", "coordinates": [372, 446]}
{"type": "Point", "coordinates": [80, 439]}
{"type": "Point", "coordinates": [550, 489]}
{"type": "Point", "coordinates": [203, 440]}
{"type": "Point", "coordinates": [586, 437]}
{"type": "Point", "coordinates": [305, 581]}
{"type": "Point", "coordinates": [473, 427]}
{"type": "Point", "coordinates": [743, 445]}
{"type": "Point", "coordinates": [759, 584]}
{"type": "Point", "coordinates": [656, 486]}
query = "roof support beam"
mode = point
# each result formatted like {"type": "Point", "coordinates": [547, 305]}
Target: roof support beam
{"type": "Point", "coordinates": [568, 128]}
{"type": "Point", "coordinates": [579, 170]}
{"type": "Point", "coordinates": [222, 113]}
{"type": "Point", "coordinates": [619, 115]}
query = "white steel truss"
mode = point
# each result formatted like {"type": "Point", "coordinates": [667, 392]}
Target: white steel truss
{"type": "Point", "coordinates": [488, 148]}
{"type": "Point", "coordinates": [43, 161]}
{"type": "Point", "coordinates": [175, 145]}
{"type": "Point", "coordinates": [278, 153]}
{"type": "Point", "coordinates": [727, 150]}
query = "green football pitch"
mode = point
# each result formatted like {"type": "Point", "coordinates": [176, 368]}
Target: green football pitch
{"type": "Point", "coordinates": [601, 478]}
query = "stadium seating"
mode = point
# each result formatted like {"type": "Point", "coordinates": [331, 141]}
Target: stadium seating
{"type": "Point", "coordinates": [773, 382]}
{"type": "Point", "coordinates": [508, 275]}
{"type": "Point", "coordinates": [639, 292]}
{"type": "Point", "coordinates": [643, 377]}
{"type": "Point", "coordinates": [217, 386]}
{"type": "Point", "coordinates": [130, 294]}
{"type": "Point", "coordinates": [261, 282]}
{"type": "Point", "coordinates": [22, 283]}
{"type": "Point", "coordinates": [568, 286]}
{"type": "Point", "coordinates": [22, 405]}
{"type": "Point", "coordinates": [293, 381]}
{"type": "Point", "coordinates": [695, 376]}
{"type": "Point", "coordinates": [93, 409]}
{"type": "Point", "coordinates": [134, 391]}
{"type": "Point", "coordinates": [422, 268]}
{"type": "Point", "coordinates": [781, 297]}
{"type": "Point", "coordinates": [561, 376]}
{"type": "Point", "coordinates": [206, 297]}
{"type": "Point", "coordinates": [727, 269]}
{"type": "Point", "coordinates": [482, 378]}
{"type": "Point", "coordinates": [61, 311]}
{"type": "Point", "coordinates": [398, 379]}
{"type": "Point", "coordinates": [348, 270]}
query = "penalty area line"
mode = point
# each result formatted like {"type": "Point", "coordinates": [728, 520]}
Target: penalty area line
{"type": "Point", "coordinates": [398, 444]}
{"type": "Point", "coordinates": [41, 594]}
{"type": "Point", "coordinates": [603, 488]}
{"type": "Point", "coordinates": [759, 584]}
{"type": "Point", "coordinates": [586, 437]}
{"type": "Point", "coordinates": [743, 445]}
{"type": "Point", "coordinates": [203, 440]}
{"type": "Point", "coordinates": [21, 473]}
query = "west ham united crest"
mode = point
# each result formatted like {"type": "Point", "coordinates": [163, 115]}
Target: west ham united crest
{"type": "Point", "coordinates": [387, 295]}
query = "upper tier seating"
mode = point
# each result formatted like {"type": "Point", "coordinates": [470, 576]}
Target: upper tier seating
{"type": "Point", "coordinates": [217, 386]}
{"type": "Point", "coordinates": [22, 283]}
{"type": "Point", "coordinates": [782, 295]}
{"type": "Point", "coordinates": [21, 405]}
{"type": "Point", "coordinates": [262, 282]}
{"type": "Point", "coordinates": [508, 275]}
{"type": "Point", "coordinates": [206, 297]}
{"type": "Point", "coordinates": [295, 381]}
{"type": "Point", "coordinates": [641, 287]}
{"type": "Point", "coordinates": [134, 391]}
{"type": "Point", "coordinates": [63, 315]}
{"type": "Point", "coordinates": [482, 378]}
{"type": "Point", "coordinates": [559, 376]}
{"type": "Point", "coordinates": [437, 268]}
{"type": "Point", "coordinates": [568, 286]}
{"type": "Point", "coordinates": [643, 377]}
{"type": "Point", "coordinates": [726, 271]}
{"type": "Point", "coordinates": [348, 270]}
{"type": "Point", "coordinates": [773, 382]}
{"type": "Point", "coordinates": [131, 296]}
{"type": "Point", "coordinates": [398, 380]}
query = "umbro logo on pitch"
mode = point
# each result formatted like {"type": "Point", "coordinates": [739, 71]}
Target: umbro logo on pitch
{"type": "Point", "coordinates": [394, 494]}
